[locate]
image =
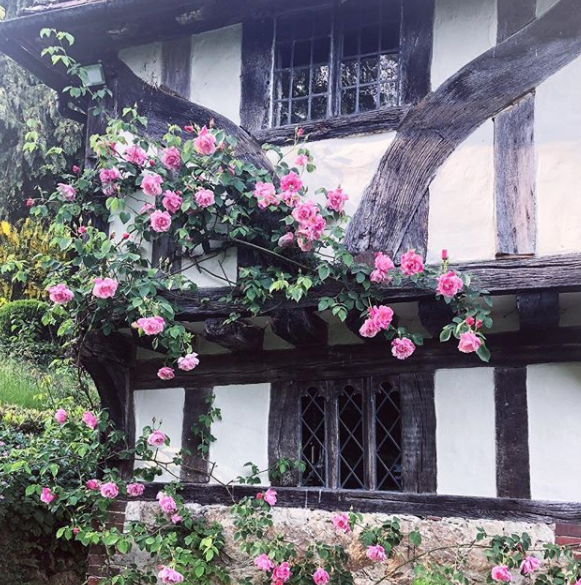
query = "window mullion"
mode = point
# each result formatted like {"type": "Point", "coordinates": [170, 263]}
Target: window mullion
{"type": "Point", "coordinates": [370, 436]}
{"type": "Point", "coordinates": [335, 64]}
{"type": "Point", "coordinates": [332, 389]}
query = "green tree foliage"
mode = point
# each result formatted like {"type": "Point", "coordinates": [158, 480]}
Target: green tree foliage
{"type": "Point", "coordinates": [23, 97]}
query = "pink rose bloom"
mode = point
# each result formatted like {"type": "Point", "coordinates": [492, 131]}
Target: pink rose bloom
{"type": "Point", "coordinates": [171, 159]}
{"type": "Point", "coordinates": [291, 182]}
{"type": "Point", "coordinates": [104, 288]}
{"type": "Point", "coordinates": [304, 244]}
{"type": "Point", "coordinates": [176, 519]}
{"type": "Point", "coordinates": [109, 490]}
{"type": "Point", "coordinates": [156, 439]}
{"type": "Point", "coordinates": [281, 573]}
{"type": "Point", "coordinates": [383, 262]}
{"type": "Point", "coordinates": [93, 484]}
{"type": "Point", "coordinates": [150, 325]}
{"type": "Point", "coordinates": [402, 348]}
{"type": "Point", "coordinates": [370, 328]}
{"type": "Point", "coordinates": [411, 263]}
{"type": "Point", "coordinates": [90, 419]}
{"type": "Point", "coordinates": [305, 212]}
{"type": "Point", "coordinates": [530, 565]}
{"type": "Point", "coordinates": [166, 373]}
{"type": "Point", "coordinates": [287, 240]}
{"type": "Point", "coordinates": [171, 201]}
{"type": "Point", "coordinates": [501, 573]}
{"type": "Point", "coordinates": [151, 184]}
{"type": "Point", "coordinates": [167, 503]}
{"type": "Point", "coordinates": [136, 155]}
{"type": "Point", "coordinates": [449, 284]}
{"type": "Point", "coordinates": [301, 160]}
{"type": "Point", "coordinates": [68, 192]}
{"type": "Point", "coordinates": [146, 208]}
{"type": "Point", "coordinates": [188, 362]}
{"type": "Point", "coordinates": [321, 577]}
{"type": "Point", "coordinates": [469, 342]}
{"type": "Point", "coordinates": [376, 553]}
{"type": "Point", "coordinates": [205, 143]}
{"type": "Point", "coordinates": [378, 276]}
{"type": "Point", "coordinates": [135, 489]}
{"type": "Point", "coordinates": [29, 202]}
{"type": "Point", "coordinates": [107, 176]}
{"type": "Point", "coordinates": [263, 563]}
{"type": "Point", "coordinates": [341, 523]}
{"type": "Point", "coordinates": [61, 416]}
{"type": "Point", "coordinates": [336, 200]}
{"type": "Point", "coordinates": [204, 198]}
{"type": "Point", "coordinates": [265, 193]}
{"type": "Point", "coordinates": [270, 497]}
{"type": "Point", "coordinates": [60, 294]}
{"type": "Point", "coordinates": [160, 221]}
{"type": "Point", "coordinates": [46, 496]}
{"type": "Point", "coordinates": [382, 314]}
{"type": "Point", "coordinates": [169, 576]}
{"type": "Point", "coordinates": [291, 198]}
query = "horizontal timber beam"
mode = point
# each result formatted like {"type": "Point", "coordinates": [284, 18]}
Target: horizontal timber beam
{"type": "Point", "coordinates": [344, 361]}
{"type": "Point", "coordinates": [388, 503]}
{"type": "Point", "coordinates": [504, 276]}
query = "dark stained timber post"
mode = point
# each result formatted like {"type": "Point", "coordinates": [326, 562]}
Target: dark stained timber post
{"type": "Point", "coordinates": [195, 467]}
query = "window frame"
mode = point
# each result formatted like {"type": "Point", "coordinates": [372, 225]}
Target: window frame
{"type": "Point", "coordinates": [258, 56]}
{"type": "Point", "coordinates": [418, 429]}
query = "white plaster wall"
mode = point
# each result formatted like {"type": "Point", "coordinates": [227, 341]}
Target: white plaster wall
{"type": "Point", "coordinates": [216, 68]}
{"type": "Point", "coordinates": [144, 61]}
{"type": "Point", "coordinates": [465, 432]}
{"type": "Point", "coordinates": [554, 405]}
{"type": "Point", "coordinates": [242, 434]}
{"type": "Point", "coordinates": [166, 406]}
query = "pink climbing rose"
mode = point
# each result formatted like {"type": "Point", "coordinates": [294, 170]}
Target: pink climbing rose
{"type": "Point", "coordinates": [169, 576]}
{"type": "Point", "coordinates": [68, 192]}
{"type": "Point", "coordinates": [321, 577]}
{"type": "Point", "coordinates": [160, 221]}
{"type": "Point", "coordinates": [104, 288]}
{"type": "Point", "coordinates": [204, 198]}
{"type": "Point", "coordinates": [301, 160]}
{"type": "Point", "coordinates": [188, 362]}
{"type": "Point", "coordinates": [375, 552]}
{"type": "Point", "coordinates": [171, 159]}
{"type": "Point", "coordinates": [61, 416]}
{"type": "Point", "coordinates": [370, 328]}
{"type": "Point", "coordinates": [263, 563]}
{"type": "Point", "coordinates": [287, 240]}
{"type": "Point", "coordinates": [150, 325]}
{"type": "Point", "coordinates": [135, 489]}
{"type": "Point", "coordinates": [291, 182]}
{"type": "Point", "coordinates": [469, 342]}
{"type": "Point", "coordinates": [281, 574]}
{"type": "Point", "coordinates": [166, 373]}
{"type": "Point", "coordinates": [501, 573]}
{"type": "Point", "coordinates": [167, 503]}
{"type": "Point", "coordinates": [382, 264]}
{"type": "Point", "coordinates": [530, 565]}
{"type": "Point", "coordinates": [336, 200]}
{"type": "Point", "coordinates": [93, 484]}
{"type": "Point", "coordinates": [151, 184]}
{"type": "Point", "coordinates": [171, 201]}
{"type": "Point", "coordinates": [109, 490]}
{"type": "Point", "coordinates": [270, 497]}
{"type": "Point", "coordinates": [90, 419]}
{"type": "Point", "coordinates": [205, 143]}
{"type": "Point", "coordinates": [136, 155]}
{"type": "Point", "coordinates": [156, 439]}
{"type": "Point", "coordinates": [176, 519]}
{"type": "Point", "coordinates": [411, 263]}
{"type": "Point", "coordinates": [402, 348]}
{"type": "Point", "coordinates": [449, 284]}
{"type": "Point", "coordinates": [46, 495]}
{"type": "Point", "coordinates": [341, 523]}
{"type": "Point", "coordinates": [382, 314]}
{"type": "Point", "coordinates": [108, 176]}
{"type": "Point", "coordinates": [60, 294]}
{"type": "Point", "coordinates": [265, 194]}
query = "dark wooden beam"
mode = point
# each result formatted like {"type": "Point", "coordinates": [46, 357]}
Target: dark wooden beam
{"type": "Point", "coordinates": [176, 66]}
{"type": "Point", "coordinates": [389, 503]}
{"type": "Point", "coordinates": [512, 433]}
{"type": "Point", "coordinates": [434, 128]}
{"type": "Point", "coordinates": [344, 361]}
{"type": "Point", "coordinates": [236, 336]}
{"type": "Point", "coordinates": [504, 276]}
{"type": "Point", "coordinates": [538, 310]}
{"type": "Point", "coordinates": [434, 315]}
{"type": "Point", "coordinates": [418, 425]}
{"type": "Point", "coordinates": [514, 156]}
{"type": "Point", "coordinates": [300, 328]}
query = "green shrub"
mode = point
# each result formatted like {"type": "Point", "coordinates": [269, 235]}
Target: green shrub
{"type": "Point", "coordinates": [15, 419]}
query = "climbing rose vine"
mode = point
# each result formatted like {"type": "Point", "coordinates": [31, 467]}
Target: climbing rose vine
{"type": "Point", "coordinates": [193, 197]}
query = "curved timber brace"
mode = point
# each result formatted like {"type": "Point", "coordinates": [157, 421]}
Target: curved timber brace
{"type": "Point", "coordinates": [439, 123]}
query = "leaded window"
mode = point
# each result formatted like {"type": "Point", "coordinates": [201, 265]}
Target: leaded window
{"type": "Point", "coordinates": [336, 61]}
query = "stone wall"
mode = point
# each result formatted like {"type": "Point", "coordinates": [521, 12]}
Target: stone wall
{"type": "Point", "coordinates": [304, 526]}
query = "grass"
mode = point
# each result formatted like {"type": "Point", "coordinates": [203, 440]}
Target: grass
{"type": "Point", "coordinates": [19, 384]}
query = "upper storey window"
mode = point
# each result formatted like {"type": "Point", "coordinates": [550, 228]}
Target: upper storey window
{"type": "Point", "coordinates": [336, 61]}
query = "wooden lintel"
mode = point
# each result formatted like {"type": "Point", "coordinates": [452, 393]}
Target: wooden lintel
{"type": "Point", "coordinates": [301, 328]}
{"type": "Point", "coordinates": [422, 505]}
{"type": "Point", "coordinates": [236, 336]}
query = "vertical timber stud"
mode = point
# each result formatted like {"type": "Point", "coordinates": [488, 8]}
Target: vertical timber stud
{"type": "Point", "coordinates": [284, 432]}
{"type": "Point", "coordinates": [416, 62]}
{"type": "Point", "coordinates": [514, 155]}
{"type": "Point", "coordinates": [512, 433]}
{"type": "Point", "coordinates": [176, 73]}
{"type": "Point", "coordinates": [195, 467]}
{"type": "Point", "coordinates": [418, 424]}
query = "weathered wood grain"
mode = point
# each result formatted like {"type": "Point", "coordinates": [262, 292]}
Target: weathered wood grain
{"type": "Point", "coordinates": [512, 433]}
{"type": "Point", "coordinates": [300, 328]}
{"type": "Point", "coordinates": [438, 124]}
{"type": "Point", "coordinates": [389, 503]}
{"type": "Point", "coordinates": [176, 65]}
{"type": "Point", "coordinates": [236, 336]}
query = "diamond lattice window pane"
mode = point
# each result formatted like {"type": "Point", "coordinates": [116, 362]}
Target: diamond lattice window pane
{"type": "Point", "coordinates": [313, 450]}
{"type": "Point", "coordinates": [388, 433]}
{"type": "Point", "coordinates": [351, 451]}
